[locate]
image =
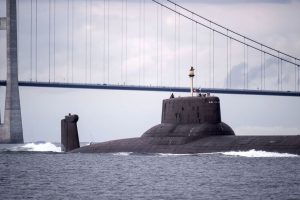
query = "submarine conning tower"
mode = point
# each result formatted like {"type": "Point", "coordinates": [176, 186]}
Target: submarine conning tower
{"type": "Point", "coordinates": [191, 110]}
{"type": "Point", "coordinates": [69, 133]}
{"type": "Point", "coordinates": [185, 119]}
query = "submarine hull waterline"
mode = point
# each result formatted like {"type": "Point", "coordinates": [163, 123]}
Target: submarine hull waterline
{"type": "Point", "coordinates": [281, 144]}
{"type": "Point", "coordinates": [191, 125]}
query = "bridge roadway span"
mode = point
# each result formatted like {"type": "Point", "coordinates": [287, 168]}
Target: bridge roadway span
{"type": "Point", "coordinates": [153, 88]}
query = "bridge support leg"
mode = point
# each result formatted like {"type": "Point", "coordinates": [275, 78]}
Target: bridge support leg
{"type": "Point", "coordinates": [11, 131]}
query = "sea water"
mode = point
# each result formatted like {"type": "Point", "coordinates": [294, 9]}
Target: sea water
{"type": "Point", "coordinates": [41, 171]}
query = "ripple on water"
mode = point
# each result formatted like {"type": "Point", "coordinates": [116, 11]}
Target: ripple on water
{"type": "Point", "coordinates": [40, 175]}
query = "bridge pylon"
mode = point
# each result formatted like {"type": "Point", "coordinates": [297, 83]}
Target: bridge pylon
{"type": "Point", "coordinates": [11, 130]}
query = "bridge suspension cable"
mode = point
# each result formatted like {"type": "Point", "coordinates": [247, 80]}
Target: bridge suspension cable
{"type": "Point", "coordinates": [126, 40]}
{"type": "Point", "coordinates": [247, 73]}
{"type": "Point", "coordinates": [230, 60]}
{"type": "Point", "coordinates": [278, 72]}
{"type": "Point", "coordinates": [124, 46]}
{"type": "Point", "coordinates": [298, 84]}
{"type": "Point", "coordinates": [54, 38]}
{"type": "Point", "coordinates": [264, 49]}
{"type": "Point", "coordinates": [122, 42]}
{"type": "Point", "coordinates": [281, 74]}
{"type": "Point", "coordinates": [227, 62]}
{"type": "Point", "coordinates": [244, 74]}
{"type": "Point", "coordinates": [108, 41]}
{"type": "Point", "coordinates": [72, 43]}
{"type": "Point", "coordinates": [283, 60]}
{"type": "Point", "coordinates": [261, 68]}
{"type": "Point", "coordinates": [157, 7]}
{"type": "Point", "coordinates": [192, 42]}
{"type": "Point", "coordinates": [68, 39]}
{"type": "Point", "coordinates": [104, 38]}
{"type": "Point", "coordinates": [175, 48]}
{"type": "Point", "coordinates": [197, 72]}
{"type": "Point", "coordinates": [224, 34]}
{"type": "Point", "coordinates": [49, 39]}
{"type": "Point", "coordinates": [210, 62]}
{"type": "Point", "coordinates": [295, 77]}
{"type": "Point", "coordinates": [86, 41]}
{"type": "Point", "coordinates": [179, 52]}
{"type": "Point", "coordinates": [144, 40]}
{"type": "Point", "coordinates": [264, 71]}
{"type": "Point", "coordinates": [298, 80]}
{"type": "Point", "coordinates": [213, 59]}
{"type": "Point", "coordinates": [31, 37]}
{"type": "Point", "coordinates": [36, 38]}
{"type": "Point", "coordinates": [234, 32]}
{"type": "Point", "coordinates": [140, 38]}
{"type": "Point", "coordinates": [161, 44]}
{"type": "Point", "coordinates": [91, 37]}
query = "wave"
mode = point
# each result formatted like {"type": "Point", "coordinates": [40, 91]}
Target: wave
{"type": "Point", "coordinates": [37, 147]}
{"type": "Point", "coordinates": [257, 154]}
{"type": "Point", "coordinates": [250, 154]}
{"type": "Point", "coordinates": [50, 147]}
{"type": "Point", "coordinates": [122, 154]}
{"type": "Point", "coordinates": [173, 154]}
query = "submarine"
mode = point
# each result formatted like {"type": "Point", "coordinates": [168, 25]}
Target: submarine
{"type": "Point", "coordinates": [189, 125]}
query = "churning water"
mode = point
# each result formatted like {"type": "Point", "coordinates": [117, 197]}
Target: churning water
{"type": "Point", "coordinates": [40, 171]}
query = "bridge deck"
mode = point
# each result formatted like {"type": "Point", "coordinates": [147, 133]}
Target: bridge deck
{"type": "Point", "coordinates": [152, 88]}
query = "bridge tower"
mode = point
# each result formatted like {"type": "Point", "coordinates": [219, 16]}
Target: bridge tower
{"type": "Point", "coordinates": [11, 131]}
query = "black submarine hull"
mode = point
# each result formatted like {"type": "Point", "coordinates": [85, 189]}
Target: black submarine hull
{"type": "Point", "coordinates": [192, 125]}
{"type": "Point", "coordinates": [210, 144]}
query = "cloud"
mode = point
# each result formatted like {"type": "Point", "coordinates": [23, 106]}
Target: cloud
{"type": "Point", "coordinates": [269, 74]}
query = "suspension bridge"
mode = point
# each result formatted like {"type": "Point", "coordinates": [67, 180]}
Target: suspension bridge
{"type": "Point", "coordinates": [100, 45]}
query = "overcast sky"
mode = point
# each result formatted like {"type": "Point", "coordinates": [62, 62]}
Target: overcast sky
{"type": "Point", "coordinates": [154, 56]}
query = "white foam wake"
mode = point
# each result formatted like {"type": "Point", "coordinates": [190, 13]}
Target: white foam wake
{"type": "Point", "coordinates": [172, 154]}
{"type": "Point", "coordinates": [38, 147]}
{"type": "Point", "coordinates": [257, 154]}
{"type": "Point", "coordinates": [251, 153]}
{"type": "Point", "coordinates": [122, 154]}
